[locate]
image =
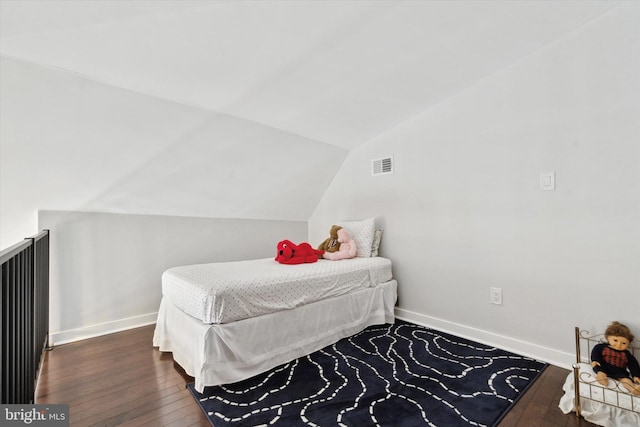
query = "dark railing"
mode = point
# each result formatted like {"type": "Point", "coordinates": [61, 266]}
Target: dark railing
{"type": "Point", "coordinates": [24, 317]}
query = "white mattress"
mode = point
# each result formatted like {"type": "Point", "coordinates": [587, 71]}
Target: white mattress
{"type": "Point", "coordinates": [222, 354]}
{"type": "Point", "coordinates": [231, 291]}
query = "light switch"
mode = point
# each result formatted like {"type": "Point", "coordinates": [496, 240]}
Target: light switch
{"type": "Point", "coordinates": [547, 181]}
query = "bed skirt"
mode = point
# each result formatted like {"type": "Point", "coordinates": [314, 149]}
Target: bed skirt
{"type": "Point", "coordinates": [217, 354]}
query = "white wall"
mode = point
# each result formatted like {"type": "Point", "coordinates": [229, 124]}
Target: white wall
{"type": "Point", "coordinates": [163, 177]}
{"type": "Point", "coordinates": [106, 268]}
{"type": "Point", "coordinates": [71, 143]}
{"type": "Point", "coordinates": [463, 211]}
{"type": "Point", "coordinates": [71, 146]}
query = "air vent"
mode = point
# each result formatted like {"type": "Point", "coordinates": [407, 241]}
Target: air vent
{"type": "Point", "coordinates": [382, 166]}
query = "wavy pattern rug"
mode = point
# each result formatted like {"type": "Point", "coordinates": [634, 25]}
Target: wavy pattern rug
{"type": "Point", "coordinates": [387, 375]}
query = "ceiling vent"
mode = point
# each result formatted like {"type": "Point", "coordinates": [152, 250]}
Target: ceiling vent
{"type": "Point", "coordinates": [382, 166]}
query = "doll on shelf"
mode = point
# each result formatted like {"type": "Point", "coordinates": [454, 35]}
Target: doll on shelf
{"type": "Point", "coordinates": [612, 359]}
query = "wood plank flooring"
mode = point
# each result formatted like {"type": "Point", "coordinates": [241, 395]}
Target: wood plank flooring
{"type": "Point", "coordinates": [121, 380]}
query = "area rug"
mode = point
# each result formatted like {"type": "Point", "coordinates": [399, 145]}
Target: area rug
{"type": "Point", "coordinates": [387, 375]}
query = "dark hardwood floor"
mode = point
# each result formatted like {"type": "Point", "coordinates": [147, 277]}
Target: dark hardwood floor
{"type": "Point", "coordinates": [120, 379]}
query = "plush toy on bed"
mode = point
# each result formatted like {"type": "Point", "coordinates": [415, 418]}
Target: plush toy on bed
{"type": "Point", "coordinates": [331, 243]}
{"type": "Point", "coordinates": [290, 253]}
{"type": "Point", "coordinates": [612, 359]}
{"type": "Point", "coordinates": [347, 249]}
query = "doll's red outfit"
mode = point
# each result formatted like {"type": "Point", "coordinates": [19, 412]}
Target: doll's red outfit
{"type": "Point", "coordinates": [615, 363]}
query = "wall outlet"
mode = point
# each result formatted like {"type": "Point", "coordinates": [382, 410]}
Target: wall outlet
{"type": "Point", "coordinates": [495, 296]}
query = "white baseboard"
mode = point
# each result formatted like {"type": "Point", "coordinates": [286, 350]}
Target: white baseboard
{"type": "Point", "coordinates": [544, 354]}
{"type": "Point", "coordinates": [64, 337]}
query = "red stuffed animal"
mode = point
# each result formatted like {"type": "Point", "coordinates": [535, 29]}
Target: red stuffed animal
{"type": "Point", "coordinates": [290, 253]}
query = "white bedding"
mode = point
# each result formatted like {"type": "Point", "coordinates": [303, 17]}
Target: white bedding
{"type": "Point", "coordinates": [226, 292]}
{"type": "Point", "coordinates": [597, 401]}
{"type": "Point", "coordinates": [226, 353]}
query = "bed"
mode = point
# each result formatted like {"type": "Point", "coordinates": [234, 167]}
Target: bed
{"type": "Point", "coordinates": [225, 322]}
{"type": "Point", "coordinates": [610, 405]}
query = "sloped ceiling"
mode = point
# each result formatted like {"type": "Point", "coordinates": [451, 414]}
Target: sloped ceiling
{"type": "Point", "coordinates": [233, 108]}
{"type": "Point", "coordinates": [338, 72]}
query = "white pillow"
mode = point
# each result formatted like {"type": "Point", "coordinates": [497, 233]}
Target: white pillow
{"type": "Point", "coordinates": [362, 233]}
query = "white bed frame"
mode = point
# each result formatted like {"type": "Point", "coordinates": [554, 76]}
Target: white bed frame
{"type": "Point", "coordinates": [610, 405]}
{"type": "Point", "coordinates": [217, 354]}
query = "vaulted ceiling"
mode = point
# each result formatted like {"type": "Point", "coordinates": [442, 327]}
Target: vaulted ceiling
{"type": "Point", "coordinates": [338, 72]}
{"type": "Point", "coordinates": [233, 108]}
